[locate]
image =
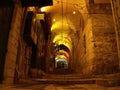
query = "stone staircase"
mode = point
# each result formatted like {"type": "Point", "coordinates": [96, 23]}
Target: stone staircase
{"type": "Point", "coordinates": [108, 80]}
{"type": "Point", "coordinates": [103, 80]}
{"type": "Point", "coordinates": [63, 71]}
{"type": "Point", "coordinates": [64, 79]}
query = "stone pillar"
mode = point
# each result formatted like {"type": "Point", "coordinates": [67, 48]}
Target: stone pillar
{"type": "Point", "coordinates": [5, 25]}
{"type": "Point", "coordinates": [85, 49]}
{"type": "Point", "coordinates": [11, 54]}
{"type": "Point", "coordinates": [47, 54]}
{"type": "Point", "coordinates": [115, 4]}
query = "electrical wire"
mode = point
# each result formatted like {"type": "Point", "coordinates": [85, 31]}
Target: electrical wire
{"type": "Point", "coordinates": [76, 6]}
{"type": "Point", "coordinates": [62, 17]}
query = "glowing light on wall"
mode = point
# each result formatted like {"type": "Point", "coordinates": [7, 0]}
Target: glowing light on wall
{"type": "Point", "coordinates": [65, 54]}
{"type": "Point", "coordinates": [40, 16]}
{"type": "Point", "coordinates": [31, 8]}
{"type": "Point", "coordinates": [54, 20]}
{"type": "Point", "coordinates": [74, 12]}
{"type": "Point", "coordinates": [64, 39]}
{"type": "Point", "coordinates": [60, 57]}
{"type": "Point", "coordinates": [67, 24]}
{"type": "Point", "coordinates": [62, 36]}
{"type": "Point", "coordinates": [45, 9]}
{"type": "Point", "coordinates": [55, 25]}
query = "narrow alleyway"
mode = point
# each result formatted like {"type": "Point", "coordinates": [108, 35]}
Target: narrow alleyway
{"type": "Point", "coordinates": [59, 45]}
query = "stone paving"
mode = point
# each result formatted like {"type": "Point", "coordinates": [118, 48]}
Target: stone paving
{"type": "Point", "coordinates": [56, 82]}
{"type": "Point", "coordinates": [56, 87]}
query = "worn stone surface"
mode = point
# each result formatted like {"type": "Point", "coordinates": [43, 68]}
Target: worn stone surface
{"type": "Point", "coordinates": [97, 47]}
{"type": "Point", "coordinates": [12, 48]}
{"type": "Point", "coordinates": [100, 8]}
{"type": "Point", "coordinates": [105, 46]}
{"type": "Point", "coordinates": [86, 50]}
{"type": "Point", "coordinates": [116, 15]}
{"type": "Point", "coordinates": [5, 25]}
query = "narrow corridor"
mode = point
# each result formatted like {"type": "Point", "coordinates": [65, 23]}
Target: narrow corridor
{"type": "Point", "coordinates": [59, 45]}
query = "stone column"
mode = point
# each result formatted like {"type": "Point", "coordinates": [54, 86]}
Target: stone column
{"type": "Point", "coordinates": [115, 4]}
{"type": "Point", "coordinates": [11, 54]}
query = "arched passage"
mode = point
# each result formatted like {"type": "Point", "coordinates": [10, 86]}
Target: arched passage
{"type": "Point", "coordinates": [62, 56]}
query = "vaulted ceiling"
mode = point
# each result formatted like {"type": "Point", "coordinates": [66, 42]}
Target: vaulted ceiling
{"type": "Point", "coordinates": [68, 18]}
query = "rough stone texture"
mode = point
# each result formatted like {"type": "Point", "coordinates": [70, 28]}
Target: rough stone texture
{"type": "Point", "coordinates": [116, 14]}
{"type": "Point", "coordinates": [5, 20]}
{"type": "Point", "coordinates": [12, 48]}
{"type": "Point", "coordinates": [89, 47]}
{"type": "Point", "coordinates": [106, 58]}
{"type": "Point", "coordinates": [41, 47]}
{"type": "Point", "coordinates": [100, 8]}
{"type": "Point", "coordinates": [23, 61]}
{"type": "Point", "coordinates": [86, 49]}
{"type": "Point", "coordinates": [97, 47]}
{"type": "Point", "coordinates": [95, 50]}
{"type": "Point", "coordinates": [84, 52]}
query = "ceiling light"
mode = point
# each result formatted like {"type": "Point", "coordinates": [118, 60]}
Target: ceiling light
{"type": "Point", "coordinates": [54, 20]}
{"type": "Point", "coordinates": [74, 12]}
{"type": "Point", "coordinates": [45, 9]}
{"type": "Point", "coordinates": [31, 8]}
{"type": "Point", "coordinates": [42, 9]}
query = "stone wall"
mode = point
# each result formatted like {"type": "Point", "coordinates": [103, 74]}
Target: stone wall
{"type": "Point", "coordinates": [5, 20]}
{"type": "Point", "coordinates": [105, 46]}
{"type": "Point", "coordinates": [116, 14]}
{"type": "Point", "coordinates": [89, 47]}
{"type": "Point", "coordinates": [12, 47]}
{"type": "Point", "coordinates": [86, 50]}
{"type": "Point", "coordinates": [96, 52]}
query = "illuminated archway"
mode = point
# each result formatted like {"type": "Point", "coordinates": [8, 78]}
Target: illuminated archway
{"type": "Point", "coordinates": [61, 64]}
{"type": "Point", "coordinates": [63, 39]}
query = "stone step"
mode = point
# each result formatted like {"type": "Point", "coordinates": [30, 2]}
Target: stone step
{"type": "Point", "coordinates": [108, 83]}
{"type": "Point", "coordinates": [63, 71]}
{"type": "Point", "coordinates": [67, 76]}
{"type": "Point", "coordinates": [77, 79]}
{"type": "Point", "coordinates": [99, 81]}
{"type": "Point", "coordinates": [65, 81]}
{"type": "Point", "coordinates": [108, 80]}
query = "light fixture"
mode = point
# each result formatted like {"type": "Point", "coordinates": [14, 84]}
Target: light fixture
{"type": "Point", "coordinates": [42, 9]}
{"type": "Point", "coordinates": [54, 20]}
{"type": "Point", "coordinates": [74, 12]}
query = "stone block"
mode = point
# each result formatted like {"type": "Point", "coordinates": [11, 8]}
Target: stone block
{"type": "Point", "coordinates": [8, 80]}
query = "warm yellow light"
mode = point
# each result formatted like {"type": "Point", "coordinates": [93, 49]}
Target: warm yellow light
{"type": "Point", "coordinates": [54, 26]}
{"type": "Point", "coordinates": [74, 12]}
{"type": "Point", "coordinates": [42, 9]}
{"type": "Point", "coordinates": [31, 8]}
{"type": "Point", "coordinates": [67, 24]}
{"type": "Point", "coordinates": [40, 16]}
{"type": "Point", "coordinates": [60, 57]}
{"type": "Point", "coordinates": [54, 20]}
{"type": "Point", "coordinates": [63, 39]}
{"type": "Point", "coordinates": [45, 9]}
